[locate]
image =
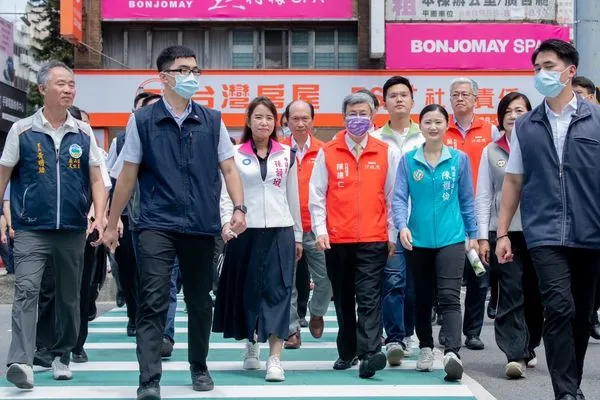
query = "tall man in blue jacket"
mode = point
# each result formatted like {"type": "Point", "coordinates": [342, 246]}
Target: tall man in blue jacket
{"type": "Point", "coordinates": [53, 163]}
{"type": "Point", "coordinates": [176, 149]}
{"type": "Point", "coordinates": [553, 170]}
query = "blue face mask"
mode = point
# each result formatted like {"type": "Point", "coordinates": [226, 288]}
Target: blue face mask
{"type": "Point", "coordinates": [548, 83]}
{"type": "Point", "coordinates": [286, 131]}
{"type": "Point", "coordinates": [186, 86]}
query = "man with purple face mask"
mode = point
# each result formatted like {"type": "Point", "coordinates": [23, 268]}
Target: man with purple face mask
{"type": "Point", "coordinates": [350, 194]}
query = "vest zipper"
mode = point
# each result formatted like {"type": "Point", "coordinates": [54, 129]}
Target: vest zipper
{"type": "Point", "coordinates": [58, 188]}
{"type": "Point", "coordinates": [24, 197]}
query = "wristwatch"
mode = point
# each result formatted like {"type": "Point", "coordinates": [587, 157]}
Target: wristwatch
{"type": "Point", "coordinates": [241, 208]}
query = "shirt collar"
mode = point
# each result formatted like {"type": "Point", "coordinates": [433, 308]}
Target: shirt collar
{"type": "Point", "coordinates": [570, 107]}
{"type": "Point", "coordinates": [351, 143]}
{"type": "Point", "coordinates": [306, 144]}
{"type": "Point", "coordinates": [460, 127]}
{"type": "Point", "coordinates": [188, 109]}
{"type": "Point", "coordinates": [42, 124]}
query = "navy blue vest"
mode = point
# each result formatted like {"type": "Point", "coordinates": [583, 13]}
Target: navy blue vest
{"type": "Point", "coordinates": [560, 205]}
{"type": "Point", "coordinates": [51, 190]}
{"type": "Point", "coordinates": [179, 177]}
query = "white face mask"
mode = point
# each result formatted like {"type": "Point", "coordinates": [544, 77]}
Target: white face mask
{"type": "Point", "coordinates": [548, 82]}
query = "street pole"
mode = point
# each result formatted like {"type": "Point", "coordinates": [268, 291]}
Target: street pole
{"type": "Point", "coordinates": [587, 32]}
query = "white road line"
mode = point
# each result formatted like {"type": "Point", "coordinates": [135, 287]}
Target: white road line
{"type": "Point", "coordinates": [213, 346]}
{"type": "Point", "coordinates": [124, 319]}
{"type": "Point", "coordinates": [123, 330]}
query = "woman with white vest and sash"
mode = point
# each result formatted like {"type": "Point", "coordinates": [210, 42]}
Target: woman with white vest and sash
{"type": "Point", "coordinates": [519, 318]}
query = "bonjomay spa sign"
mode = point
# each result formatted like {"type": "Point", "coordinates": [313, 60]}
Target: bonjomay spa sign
{"type": "Point", "coordinates": [466, 46]}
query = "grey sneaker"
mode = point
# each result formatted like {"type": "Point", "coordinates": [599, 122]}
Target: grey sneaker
{"type": "Point", "coordinates": [60, 371]}
{"type": "Point", "coordinates": [20, 375]}
{"type": "Point", "coordinates": [425, 361]}
{"type": "Point", "coordinates": [515, 369]}
{"type": "Point", "coordinates": [395, 354]}
{"type": "Point", "coordinates": [251, 356]}
{"type": "Point", "coordinates": [453, 367]}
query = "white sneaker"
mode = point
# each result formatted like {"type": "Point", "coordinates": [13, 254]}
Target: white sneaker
{"type": "Point", "coordinates": [515, 369]}
{"type": "Point", "coordinates": [408, 345]}
{"type": "Point", "coordinates": [425, 361]}
{"type": "Point", "coordinates": [532, 363]}
{"type": "Point", "coordinates": [275, 371]}
{"type": "Point", "coordinates": [60, 371]}
{"type": "Point", "coordinates": [453, 367]}
{"type": "Point", "coordinates": [395, 354]}
{"type": "Point", "coordinates": [20, 375]}
{"type": "Point", "coordinates": [252, 356]}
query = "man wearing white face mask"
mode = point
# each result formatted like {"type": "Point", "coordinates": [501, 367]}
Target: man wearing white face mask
{"type": "Point", "coordinates": [350, 195]}
{"type": "Point", "coordinates": [176, 150]}
{"type": "Point", "coordinates": [552, 169]}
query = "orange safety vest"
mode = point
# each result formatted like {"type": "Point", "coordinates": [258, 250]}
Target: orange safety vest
{"type": "Point", "coordinates": [356, 203]}
{"type": "Point", "coordinates": [305, 168]}
{"type": "Point", "coordinates": [478, 136]}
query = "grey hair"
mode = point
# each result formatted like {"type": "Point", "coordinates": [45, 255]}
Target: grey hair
{"type": "Point", "coordinates": [461, 80]}
{"type": "Point", "coordinates": [44, 73]}
{"type": "Point", "coordinates": [357, 98]}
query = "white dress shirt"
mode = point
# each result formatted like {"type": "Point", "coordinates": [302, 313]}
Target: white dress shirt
{"type": "Point", "coordinates": [319, 182]}
{"type": "Point", "coordinates": [559, 124]}
{"type": "Point", "coordinates": [300, 152]}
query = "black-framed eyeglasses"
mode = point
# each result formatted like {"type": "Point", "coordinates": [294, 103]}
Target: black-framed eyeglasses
{"type": "Point", "coordinates": [186, 71]}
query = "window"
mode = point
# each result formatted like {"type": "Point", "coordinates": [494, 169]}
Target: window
{"type": "Point", "coordinates": [242, 55]}
{"type": "Point", "coordinates": [347, 49]}
{"type": "Point", "coordinates": [300, 49]}
{"type": "Point", "coordinates": [325, 57]}
{"type": "Point", "coordinates": [275, 49]}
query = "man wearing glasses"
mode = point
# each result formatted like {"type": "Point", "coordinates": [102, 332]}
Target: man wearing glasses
{"type": "Point", "coordinates": [176, 150]}
{"type": "Point", "coordinates": [470, 134]}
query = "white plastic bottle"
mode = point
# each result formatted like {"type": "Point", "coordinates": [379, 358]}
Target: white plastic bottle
{"type": "Point", "coordinates": [476, 263]}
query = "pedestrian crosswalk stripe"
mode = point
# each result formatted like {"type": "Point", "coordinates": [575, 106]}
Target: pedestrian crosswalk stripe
{"type": "Point", "coordinates": [213, 346]}
{"type": "Point", "coordinates": [183, 318]}
{"type": "Point", "coordinates": [181, 330]}
{"type": "Point", "coordinates": [408, 392]}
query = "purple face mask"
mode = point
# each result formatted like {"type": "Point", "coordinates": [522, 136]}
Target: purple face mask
{"type": "Point", "coordinates": [358, 125]}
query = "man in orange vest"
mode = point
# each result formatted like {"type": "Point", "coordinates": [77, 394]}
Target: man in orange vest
{"type": "Point", "coordinates": [470, 134]}
{"type": "Point", "coordinates": [299, 115]}
{"type": "Point", "coordinates": [350, 196]}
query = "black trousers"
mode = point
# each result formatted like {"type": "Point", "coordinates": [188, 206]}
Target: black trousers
{"type": "Point", "coordinates": [355, 271]}
{"type": "Point", "coordinates": [520, 315]}
{"type": "Point", "coordinates": [127, 270]}
{"type": "Point", "coordinates": [302, 286]}
{"type": "Point", "coordinates": [157, 256]}
{"type": "Point", "coordinates": [442, 269]}
{"type": "Point", "coordinates": [567, 280]}
{"type": "Point", "coordinates": [477, 288]}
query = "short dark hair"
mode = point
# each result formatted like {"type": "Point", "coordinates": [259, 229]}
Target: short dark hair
{"type": "Point", "coordinates": [148, 99]}
{"type": "Point", "coordinates": [140, 96]}
{"type": "Point", "coordinates": [505, 102]}
{"type": "Point", "coordinates": [286, 112]}
{"type": "Point", "coordinates": [565, 51]}
{"type": "Point", "coordinates": [434, 107]}
{"type": "Point", "coordinates": [375, 99]}
{"type": "Point", "coordinates": [167, 57]}
{"type": "Point", "coordinates": [396, 80]}
{"type": "Point", "coordinates": [585, 83]}
{"type": "Point", "coordinates": [75, 112]}
{"type": "Point", "coordinates": [261, 100]}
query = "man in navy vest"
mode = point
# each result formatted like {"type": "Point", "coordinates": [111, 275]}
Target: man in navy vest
{"type": "Point", "coordinates": [53, 163]}
{"type": "Point", "coordinates": [176, 150]}
{"type": "Point", "coordinates": [553, 170]}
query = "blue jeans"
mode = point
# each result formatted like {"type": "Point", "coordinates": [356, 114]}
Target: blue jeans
{"type": "Point", "coordinates": [394, 286]}
{"type": "Point", "coordinates": [173, 290]}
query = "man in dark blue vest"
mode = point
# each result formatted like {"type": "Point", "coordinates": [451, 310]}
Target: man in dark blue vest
{"type": "Point", "coordinates": [53, 163]}
{"type": "Point", "coordinates": [553, 171]}
{"type": "Point", "coordinates": [176, 150]}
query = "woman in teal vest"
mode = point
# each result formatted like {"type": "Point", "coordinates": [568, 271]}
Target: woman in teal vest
{"type": "Point", "coordinates": [437, 181]}
{"type": "Point", "coordinates": [519, 317]}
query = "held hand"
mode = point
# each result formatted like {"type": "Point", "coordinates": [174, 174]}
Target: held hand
{"type": "Point", "coordinates": [322, 243]}
{"type": "Point", "coordinates": [473, 244]}
{"type": "Point", "coordinates": [406, 239]}
{"type": "Point", "coordinates": [504, 250]}
{"type": "Point", "coordinates": [110, 239]}
{"type": "Point", "coordinates": [97, 225]}
{"type": "Point", "coordinates": [11, 233]}
{"type": "Point", "coordinates": [227, 233]}
{"type": "Point", "coordinates": [120, 228]}
{"type": "Point", "coordinates": [391, 249]}
{"type": "Point", "coordinates": [484, 251]}
{"type": "Point", "coordinates": [238, 222]}
{"type": "Point", "coordinates": [298, 251]}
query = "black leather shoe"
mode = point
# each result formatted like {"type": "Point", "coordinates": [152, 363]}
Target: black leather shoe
{"type": "Point", "coordinates": [149, 391]}
{"type": "Point", "coordinates": [131, 331]}
{"type": "Point", "coordinates": [474, 343]}
{"type": "Point", "coordinates": [491, 311]}
{"type": "Point", "coordinates": [580, 395]}
{"type": "Point", "coordinates": [201, 380]}
{"type": "Point", "coordinates": [166, 348]}
{"type": "Point", "coordinates": [120, 300]}
{"type": "Point", "coordinates": [371, 364]}
{"type": "Point", "coordinates": [340, 364]}
{"type": "Point", "coordinates": [42, 358]}
{"type": "Point", "coordinates": [567, 397]}
{"type": "Point", "coordinates": [80, 357]}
